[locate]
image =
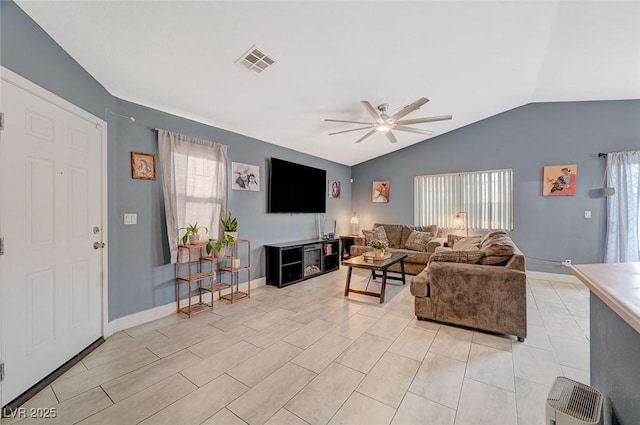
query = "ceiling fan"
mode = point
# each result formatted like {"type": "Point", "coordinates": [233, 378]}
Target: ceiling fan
{"type": "Point", "coordinates": [385, 123]}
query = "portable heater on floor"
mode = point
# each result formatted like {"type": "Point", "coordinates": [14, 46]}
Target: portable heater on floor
{"type": "Point", "coordinates": [572, 403]}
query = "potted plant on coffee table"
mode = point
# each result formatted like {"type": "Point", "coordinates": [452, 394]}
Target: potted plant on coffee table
{"type": "Point", "coordinates": [192, 233]}
{"type": "Point", "coordinates": [230, 225]}
{"type": "Point", "coordinates": [379, 247]}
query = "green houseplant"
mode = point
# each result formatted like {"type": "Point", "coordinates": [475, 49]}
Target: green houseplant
{"type": "Point", "coordinates": [192, 233]}
{"type": "Point", "coordinates": [221, 245]}
{"type": "Point", "coordinates": [230, 225]}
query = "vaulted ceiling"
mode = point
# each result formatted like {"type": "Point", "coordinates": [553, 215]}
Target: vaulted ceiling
{"type": "Point", "coordinates": [471, 59]}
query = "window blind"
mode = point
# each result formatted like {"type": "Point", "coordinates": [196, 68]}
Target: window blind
{"type": "Point", "coordinates": [486, 197]}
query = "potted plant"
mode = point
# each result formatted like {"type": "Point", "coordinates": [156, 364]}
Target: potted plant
{"type": "Point", "coordinates": [379, 247]}
{"type": "Point", "coordinates": [192, 234]}
{"type": "Point", "coordinates": [230, 225]}
{"type": "Point", "coordinates": [220, 246]}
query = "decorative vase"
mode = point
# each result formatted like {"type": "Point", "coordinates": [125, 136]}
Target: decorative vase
{"type": "Point", "coordinates": [194, 239]}
{"type": "Point", "coordinates": [234, 234]}
{"type": "Point", "coordinates": [219, 254]}
{"type": "Point", "coordinates": [378, 252]}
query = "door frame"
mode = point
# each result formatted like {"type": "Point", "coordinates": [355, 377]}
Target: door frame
{"type": "Point", "coordinates": [101, 125]}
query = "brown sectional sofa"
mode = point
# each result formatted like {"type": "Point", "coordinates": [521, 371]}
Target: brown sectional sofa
{"type": "Point", "coordinates": [398, 234]}
{"type": "Point", "coordinates": [489, 295]}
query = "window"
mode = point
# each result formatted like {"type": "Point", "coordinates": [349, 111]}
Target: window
{"type": "Point", "coordinates": [486, 197]}
{"type": "Point", "coordinates": [194, 180]}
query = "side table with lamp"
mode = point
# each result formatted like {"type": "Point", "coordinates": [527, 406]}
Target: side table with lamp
{"type": "Point", "coordinates": [347, 241]}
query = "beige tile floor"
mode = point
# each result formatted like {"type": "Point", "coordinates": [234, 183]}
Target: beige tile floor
{"type": "Point", "coordinates": [305, 354]}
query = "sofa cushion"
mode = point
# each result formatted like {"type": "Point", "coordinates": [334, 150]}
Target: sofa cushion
{"type": "Point", "coordinates": [413, 256]}
{"type": "Point", "coordinates": [394, 233]}
{"type": "Point", "coordinates": [454, 256]}
{"type": "Point", "coordinates": [492, 235]}
{"type": "Point", "coordinates": [498, 248]}
{"type": "Point", "coordinates": [406, 231]}
{"type": "Point", "coordinates": [376, 233]}
{"type": "Point", "coordinates": [467, 244]}
{"type": "Point", "coordinates": [417, 241]}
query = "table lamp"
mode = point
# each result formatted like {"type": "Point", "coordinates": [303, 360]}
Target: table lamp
{"type": "Point", "coordinates": [354, 223]}
{"type": "Point", "coordinates": [460, 222]}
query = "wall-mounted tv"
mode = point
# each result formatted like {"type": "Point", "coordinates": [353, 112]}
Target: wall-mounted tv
{"type": "Point", "coordinates": [296, 188]}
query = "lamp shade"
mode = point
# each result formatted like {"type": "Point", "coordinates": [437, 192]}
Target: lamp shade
{"type": "Point", "coordinates": [354, 219]}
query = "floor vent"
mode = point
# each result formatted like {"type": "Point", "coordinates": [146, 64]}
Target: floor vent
{"type": "Point", "coordinates": [255, 60]}
{"type": "Point", "coordinates": [572, 403]}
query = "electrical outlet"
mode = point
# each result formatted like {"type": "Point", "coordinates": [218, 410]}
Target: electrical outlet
{"type": "Point", "coordinates": [587, 214]}
{"type": "Point", "coordinates": [566, 262]}
{"type": "Point", "coordinates": [130, 218]}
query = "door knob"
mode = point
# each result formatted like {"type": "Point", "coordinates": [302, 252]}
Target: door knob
{"type": "Point", "coordinates": [97, 245]}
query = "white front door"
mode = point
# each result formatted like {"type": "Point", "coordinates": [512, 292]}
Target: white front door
{"type": "Point", "coordinates": [50, 217]}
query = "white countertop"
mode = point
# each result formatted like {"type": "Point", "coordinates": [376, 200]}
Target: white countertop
{"type": "Point", "coordinates": [617, 285]}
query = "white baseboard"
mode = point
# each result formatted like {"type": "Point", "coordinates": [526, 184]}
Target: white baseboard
{"type": "Point", "coordinates": [556, 277]}
{"type": "Point", "coordinates": [154, 313]}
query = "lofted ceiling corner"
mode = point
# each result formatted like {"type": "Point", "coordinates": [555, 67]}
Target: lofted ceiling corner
{"type": "Point", "coordinates": [472, 60]}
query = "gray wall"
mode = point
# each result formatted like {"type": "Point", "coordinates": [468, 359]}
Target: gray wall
{"type": "Point", "coordinates": [524, 139]}
{"type": "Point", "coordinates": [139, 274]}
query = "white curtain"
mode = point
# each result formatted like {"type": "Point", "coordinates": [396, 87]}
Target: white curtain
{"type": "Point", "coordinates": [623, 212]}
{"type": "Point", "coordinates": [194, 182]}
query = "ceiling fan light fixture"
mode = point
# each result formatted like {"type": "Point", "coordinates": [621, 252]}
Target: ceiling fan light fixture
{"type": "Point", "coordinates": [383, 128]}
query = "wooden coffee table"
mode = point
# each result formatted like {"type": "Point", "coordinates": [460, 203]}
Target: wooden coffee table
{"type": "Point", "coordinates": [377, 265]}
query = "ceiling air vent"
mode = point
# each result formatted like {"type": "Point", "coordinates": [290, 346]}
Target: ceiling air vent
{"type": "Point", "coordinates": [255, 60]}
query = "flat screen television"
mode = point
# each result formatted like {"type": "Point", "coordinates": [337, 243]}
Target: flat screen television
{"type": "Point", "coordinates": [296, 188]}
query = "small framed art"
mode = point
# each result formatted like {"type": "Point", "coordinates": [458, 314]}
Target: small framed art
{"type": "Point", "coordinates": [560, 180]}
{"type": "Point", "coordinates": [334, 189]}
{"type": "Point", "coordinates": [245, 177]}
{"type": "Point", "coordinates": [143, 166]}
{"type": "Point", "coordinates": [380, 191]}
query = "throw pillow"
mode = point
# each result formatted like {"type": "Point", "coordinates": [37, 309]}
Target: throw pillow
{"type": "Point", "coordinates": [467, 244]}
{"type": "Point", "coordinates": [377, 233]}
{"type": "Point", "coordinates": [469, 257]}
{"type": "Point", "coordinates": [498, 248]}
{"type": "Point", "coordinates": [417, 241]}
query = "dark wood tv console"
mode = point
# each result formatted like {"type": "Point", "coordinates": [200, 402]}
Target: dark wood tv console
{"type": "Point", "coordinates": [292, 262]}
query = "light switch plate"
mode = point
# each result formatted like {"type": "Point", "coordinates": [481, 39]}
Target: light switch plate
{"type": "Point", "coordinates": [130, 218]}
{"type": "Point", "coordinates": [587, 214]}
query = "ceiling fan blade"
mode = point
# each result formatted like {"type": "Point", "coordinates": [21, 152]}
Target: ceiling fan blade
{"type": "Point", "coordinates": [371, 110]}
{"type": "Point", "coordinates": [350, 122]}
{"type": "Point", "coordinates": [366, 135]}
{"type": "Point", "coordinates": [353, 129]}
{"type": "Point", "coordinates": [391, 137]}
{"type": "Point", "coordinates": [408, 109]}
{"type": "Point", "coordinates": [415, 130]}
{"type": "Point", "coordinates": [421, 120]}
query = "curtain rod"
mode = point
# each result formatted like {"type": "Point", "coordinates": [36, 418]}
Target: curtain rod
{"type": "Point", "coordinates": [602, 155]}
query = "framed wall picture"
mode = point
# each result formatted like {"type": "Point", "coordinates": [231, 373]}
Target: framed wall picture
{"type": "Point", "coordinates": [143, 166]}
{"type": "Point", "coordinates": [380, 191]}
{"type": "Point", "coordinates": [334, 189]}
{"type": "Point", "coordinates": [245, 177]}
{"type": "Point", "coordinates": [560, 180]}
